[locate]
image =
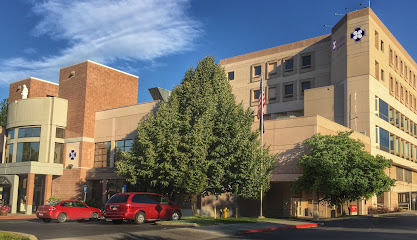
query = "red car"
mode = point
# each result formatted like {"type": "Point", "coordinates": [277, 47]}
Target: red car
{"type": "Point", "coordinates": [67, 209]}
{"type": "Point", "coordinates": [139, 207]}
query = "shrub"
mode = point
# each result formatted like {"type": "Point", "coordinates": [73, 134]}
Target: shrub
{"type": "Point", "coordinates": [54, 199]}
{"type": "Point", "coordinates": [383, 209]}
{"type": "Point", "coordinates": [372, 210]}
{"type": "Point", "coordinates": [93, 203]}
{"type": "Point", "coordinates": [397, 209]}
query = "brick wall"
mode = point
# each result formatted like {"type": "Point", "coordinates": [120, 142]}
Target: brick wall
{"type": "Point", "coordinates": [37, 88]}
{"type": "Point", "coordinates": [70, 184]}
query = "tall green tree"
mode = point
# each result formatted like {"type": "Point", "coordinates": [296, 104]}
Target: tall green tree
{"type": "Point", "coordinates": [338, 169]}
{"type": "Point", "coordinates": [199, 141]}
{"type": "Point", "coordinates": [3, 112]}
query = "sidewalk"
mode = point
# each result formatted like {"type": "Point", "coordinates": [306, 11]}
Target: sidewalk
{"type": "Point", "coordinates": [16, 216]}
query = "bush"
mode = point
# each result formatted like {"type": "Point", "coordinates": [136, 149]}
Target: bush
{"type": "Point", "coordinates": [93, 203]}
{"type": "Point", "coordinates": [397, 209]}
{"type": "Point", "coordinates": [372, 210]}
{"type": "Point", "coordinates": [54, 199]}
{"type": "Point", "coordinates": [378, 210]}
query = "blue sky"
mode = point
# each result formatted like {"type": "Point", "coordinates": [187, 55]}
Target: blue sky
{"type": "Point", "coordinates": [158, 40]}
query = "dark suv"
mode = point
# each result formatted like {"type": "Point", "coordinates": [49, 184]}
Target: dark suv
{"type": "Point", "coordinates": [140, 206]}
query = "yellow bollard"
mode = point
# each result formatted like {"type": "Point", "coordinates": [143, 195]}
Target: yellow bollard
{"type": "Point", "coordinates": [225, 212]}
{"type": "Point", "coordinates": [215, 214]}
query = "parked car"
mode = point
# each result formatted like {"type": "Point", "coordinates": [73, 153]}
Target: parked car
{"type": "Point", "coordinates": [66, 210]}
{"type": "Point", "coordinates": [140, 206]}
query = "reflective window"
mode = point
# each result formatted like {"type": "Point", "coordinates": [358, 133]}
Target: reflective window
{"type": "Point", "coordinates": [60, 133]}
{"type": "Point", "coordinates": [384, 139]}
{"type": "Point", "coordinates": [306, 61]}
{"type": "Point", "coordinates": [58, 153]}
{"type": "Point", "coordinates": [124, 145]}
{"type": "Point", "coordinates": [102, 154]}
{"type": "Point", "coordinates": [383, 110]}
{"type": "Point", "coordinates": [27, 151]}
{"type": "Point", "coordinates": [288, 90]}
{"type": "Point", "coordinates": [29, 132]}
{"type": "Point", "coordinates": [231, 75]}
{"type": "Point", "coordinates": [391, 143]}
{"type": "Point", "coordinates": [9, 153]}
{"type": "Point", "coordinates": [289, 65]}
{"type": "Point", "coordinates": [257, 70]}
{"type": "Point", "coordinates": [10, 134]}
{"type": "Point", "coordinates": [304, 86]}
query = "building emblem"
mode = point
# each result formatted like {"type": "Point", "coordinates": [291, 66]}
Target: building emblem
{"type": "Point", "coordinates": [72, 155]}
{"type": "Point", "coordinates": [334, 44]}
{"type": "Point", "coordinates": [357, 34]}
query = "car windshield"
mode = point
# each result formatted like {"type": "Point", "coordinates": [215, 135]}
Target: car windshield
{"type": "Point", "coordinates": [53, 203]}
{"type": "Point", "coordinates": [118, 199]}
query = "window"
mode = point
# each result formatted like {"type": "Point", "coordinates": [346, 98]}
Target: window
{"type": "Point", "coordinates": [119, 199]}
{"type": "Point", "coordinates": [406, 149]}
{"type": "Point", "coordinates": [406, 71]}
{"type": "Point", "coordinates": [402, 93]}
{"type": "Point", "coordinates": [391, 115]}
{"type": "Point", "coordinates": [406, 97]}
{"type": "Point", "coordinates": [272, 69]}
{"type": "Point", "coordinates": [383, 110]}
{"type": "Point", "coordinates": [396, 61]}
{"type": "Point", "coordinates": [29, 132]}
{"type": "Point", "coordinates": [306, 61]}
{"type": "Point", "coordinates": [9, 153]}
{"type": "Point", "coordinates": [60, 133]}
{"type": "Point", "coordinates": [407, 124]}
{"type": "Point", "coordinates": [402, 147]}
{"type": "Point", "coordinates": [401, 67]}
{"type": "Point", "coordinates": [376, 40]}
{"type": "Point", "coordinates": [257, 70]}
{"type": "Point", "coordinates": [382, 75]}
{"type": "Point", "coordinates": [391, 143]}
{"type": "Point", "coordinates": [102, 154]}
{"type": "Point", "coordinates": [288, 90]}
{"type": "Point", "coordinates": [255, 94]}
{"type": "Point", "coordinates": [397, 145]}
{"type": "Point", "coordinates": [382, 46]}
{"type": "Point", "coordinates": [59, 150]}
{"type": "Point", "coordinates": [27, 151]}
{"type": "Point", "coordinates": [272, 93]}
{"type": "Point", "coordinates": [407, 176]}
{"type": "Point", "coordinates": [10, 134]}
{"type": "Point", "coordinates": [391, 84]}
{"type": "Point", "coordinates": [146, 198]}
{"type": "Point", "coordinates": [400, 176]}
{"type": "Point", "coordinates": [376, 70]}
{"type": "Point", "coordinates": [384, 139]}
{"type": "Point", "coordinates": [123, 146]}
{"type": "Point", "coordinates": [289, 65]}
{"type": "Point", "coordinates": [397, 118]}
{"type": "Point", "coordinates": [304, 86]}
{"type": "Point", "coordinates": [231, 75]}
{"type": "Point", "coordinates": [396, 88]}
{"type": "Point", "coordinates": [390, 56]}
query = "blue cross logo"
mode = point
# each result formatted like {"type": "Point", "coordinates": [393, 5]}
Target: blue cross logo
{"type": "Point", "coordinates": [72, 155]}
{"type": "Point", "coordinates": [357, 34]}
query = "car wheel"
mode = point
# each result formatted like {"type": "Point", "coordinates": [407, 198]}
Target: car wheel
{"type": "Point", "coordinates": [46, 219]}
{"type": "Point", "coordinates": [62, 217]}
{"type": "Point", "coordinates": [175, 216]}
{"type": "Point", "coordinates": [94, 216]}
{"type": "Point", "coordinates": [140, 218]}
{"type": "Point", "coordinates": [117, 221]}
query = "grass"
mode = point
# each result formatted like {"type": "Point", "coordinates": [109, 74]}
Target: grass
{"type": "Point", "coordinates": [11, 236]}
{"type": "Point", "coordinates": [205, 221]}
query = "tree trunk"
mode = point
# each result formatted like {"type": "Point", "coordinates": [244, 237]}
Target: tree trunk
{"type": "Point", "coordinates": [194, 204]}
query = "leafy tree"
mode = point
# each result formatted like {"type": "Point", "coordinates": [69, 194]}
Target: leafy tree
{"type": "Point", "coordinates": [338, 169]}
{"type": "Point", "coordinates": [3, 112]}
{"type": "Point", "coordinates": [199, 141]}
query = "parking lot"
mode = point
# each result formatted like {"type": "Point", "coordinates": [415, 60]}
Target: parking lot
{"type": "Point", "coordinates": [79, 229]}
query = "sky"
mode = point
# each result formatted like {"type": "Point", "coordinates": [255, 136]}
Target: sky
{"type": "Point", "coordinates": [158, 40]}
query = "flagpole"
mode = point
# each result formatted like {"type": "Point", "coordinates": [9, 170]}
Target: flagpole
{"type": "Point", "coordinates": [262, 135]}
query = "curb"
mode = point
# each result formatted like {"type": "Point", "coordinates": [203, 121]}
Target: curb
{"type": "Point", "coordinates": [309, 225]}
{"type": "Point", "coordinates": [162, 223]}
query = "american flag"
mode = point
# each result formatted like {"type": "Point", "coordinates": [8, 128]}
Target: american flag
{"type": "Point", "coordinates": [261, 101]}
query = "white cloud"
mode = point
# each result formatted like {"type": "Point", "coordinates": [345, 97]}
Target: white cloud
{"type": "Point", "coordinates": [105, 31]}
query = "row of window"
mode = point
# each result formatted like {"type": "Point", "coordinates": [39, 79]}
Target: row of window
{"type": "Point", "coordinates": [32, 132]}
{"type": "Point", "coordinates": [273, 67]}
{"type": "Point", "coordinates": [402, 68]}
{"type": "Point", "coordinates": [394, 117]}
{"type": "Point", "coordinates": [103, 152]}
{"type": "Point", "coordinates": [395, 145]}
{"type": "Point", "coordinates": [287, 91]}
{"type": "Point", "coordinates": [403, 94]}
{"type": "Point", "coordinates": [29, 151]}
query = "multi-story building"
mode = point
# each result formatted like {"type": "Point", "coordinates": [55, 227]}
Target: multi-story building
{"type": "Point", "coordinates": [358, 77]}
{"type": "Point", "coordinates": [62, 138]}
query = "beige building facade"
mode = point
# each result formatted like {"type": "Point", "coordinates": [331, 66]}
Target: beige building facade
{"type": "Point", "coordinates": [358, 77]}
